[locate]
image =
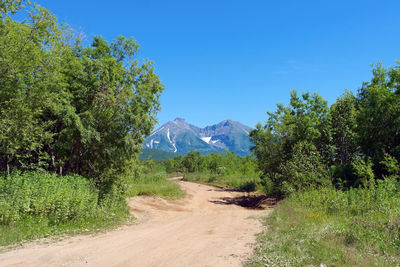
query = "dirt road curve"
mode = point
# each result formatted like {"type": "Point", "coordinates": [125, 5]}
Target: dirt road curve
{"type": "Point", "coordinates": [207, 228]}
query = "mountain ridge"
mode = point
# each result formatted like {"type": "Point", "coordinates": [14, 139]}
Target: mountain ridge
{"type": "Point", "coordinates": [179, 137]}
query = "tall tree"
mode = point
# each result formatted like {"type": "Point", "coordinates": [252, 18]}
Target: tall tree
{"type": "Point", "coordinates": [67, 107]}
{"type": "Point", "coordinates": [378, 119]}
{"type": "Point", "coordinates": [296, 134]}
{"type": "Point", "coordinates": [28, 84]}
{"type": "Point", "coordinates": [343, 124]}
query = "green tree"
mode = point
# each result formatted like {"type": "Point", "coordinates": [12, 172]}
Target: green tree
{"type": "Point", "coordinates": [304, 171]}
{"type": "Point", "coordinates": [29, 84]}
{"type": "Point", "coordinates": [378, 118]}
{"type": "Point", "coordinates": [10, 6]}
{"type": "Point", "coordinates": [304, 124]}
{"type": "Point", "coordinates": [67, 107]}
{"type": "Point", "coordinates": [343, 124]}
{"type": "Point", "coordinates": [192, 161]}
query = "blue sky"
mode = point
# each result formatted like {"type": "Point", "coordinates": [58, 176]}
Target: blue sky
{"type": "Point", "coordinates": [237, 59]}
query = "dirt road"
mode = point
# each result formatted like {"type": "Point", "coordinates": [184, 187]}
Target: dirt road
{"type": "Point", "coordinates": [209, 227]}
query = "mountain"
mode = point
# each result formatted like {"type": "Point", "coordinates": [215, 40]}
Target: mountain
{"type": "Point", "coordinates": [180, 137]}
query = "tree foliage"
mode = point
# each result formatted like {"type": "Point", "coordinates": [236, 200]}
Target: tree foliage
{"type": "Point", "coordinates": [214, 163]}
{"type": "Point", "coordinates": [355, 140]}
{"type": "Point", "coordinates": [378, 118]}
{"type": "Point", "coordinates": [293, 141]}
{"type": "Point", "coordinates": [70, 108]}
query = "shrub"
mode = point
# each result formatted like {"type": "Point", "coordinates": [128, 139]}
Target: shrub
{"type": "Point", "coordinates": [303, 171]}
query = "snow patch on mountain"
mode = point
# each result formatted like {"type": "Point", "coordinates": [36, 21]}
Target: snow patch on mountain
{"type": "Point", "coordinates": [156, 131]}
{"type": "Point", "coordinates": [169, 139]}
{"type": "Point", "coordinates": [206, 139]}
{"type": "Point", "coordinates": [227, 135]}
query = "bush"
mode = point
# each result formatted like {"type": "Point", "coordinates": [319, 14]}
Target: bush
{"type": "Point", "coordinates": [303, 171]}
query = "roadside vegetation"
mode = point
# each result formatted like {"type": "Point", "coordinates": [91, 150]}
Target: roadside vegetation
{"type": "Point", "coordinates": [40, 204]}
{"type": "Point", "coordinates": [338, 169]}
{"type": "Point", "coordinates": [150, 179]}
{"type": "Point", "coordinates": [74, 114]}
{"type": "Point", "coordinates": [225, 170]}
{"type": "Point", "coordinates": [356, 227]}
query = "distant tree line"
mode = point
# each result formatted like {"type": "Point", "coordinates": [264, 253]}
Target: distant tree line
{"type": "Point", "coordinates": [67, 107]}
{"type": "Point", "coordinates": [308, 144]}
{"type": "Point", "coordinates": [214, 163]}
{"type": "Point", "coordinates": [225, 169]}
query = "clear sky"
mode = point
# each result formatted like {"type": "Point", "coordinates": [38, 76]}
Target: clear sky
{"type": "Point", "coordinates": [237, 59]}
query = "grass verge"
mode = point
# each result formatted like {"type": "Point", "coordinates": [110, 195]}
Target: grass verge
{"type": "Point", "coordinates": [36, 205]}
{"type": "Point", "coordinates": [32, 228]}
{"type": "Point", "coordinates": [359, 227]}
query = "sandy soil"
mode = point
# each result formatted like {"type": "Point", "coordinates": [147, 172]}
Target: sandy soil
{"type": "Point", "coordinates": [209, 227]}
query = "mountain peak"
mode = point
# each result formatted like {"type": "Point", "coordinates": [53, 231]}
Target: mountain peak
{"type": "Point", "coordinates": [227, 122]}
{"type": "Point", "coordinates": [178, 136]}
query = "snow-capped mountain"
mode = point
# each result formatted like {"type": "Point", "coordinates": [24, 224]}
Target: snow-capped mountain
{"type": "Point", "coordinates": [180, 137]}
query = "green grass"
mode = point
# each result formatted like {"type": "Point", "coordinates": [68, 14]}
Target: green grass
{"type": "Point", "coordinates": [235, 180]}
{"type": "Point", "coordinates": [359, 227]}
{"type": "Point", "coordinates": [35, 205]}
{"type": "Point", "coordinates": [31, 228]}
{"type": "Point", "coordinates": [39, 204]}
{"type": "Point", "coordinates": [154, 184]}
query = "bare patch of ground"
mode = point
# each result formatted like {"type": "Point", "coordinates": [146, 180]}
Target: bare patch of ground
{"type": "Point", "coordinates": [209, 227]}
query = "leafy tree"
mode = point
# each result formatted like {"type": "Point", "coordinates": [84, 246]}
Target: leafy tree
{"type": "Point", "coordinates": [357, 139]}
{"type": "Point", "coordinates": [192, 161]}
{"type": "Point", "coordinates": [304, 125]}
{"type": "Point", "coordinates": [304, 171]}
{"type": "Point", "coordinates": [363, 170]}
{"type": "Point", "coordinates": [378, 118]}
{"type": "Point", "coordinates": [115, 101]}
{"type": "Point", "coordinates": [29, 83]}
{"type": "Point", "coordinates": [70, 108]}
{"type": "Point", "coordinates": [343, 124]}
{"type": "Point", "coordinates": [391, 166]}
{"type": "Point", "coordinates": [10, 6]}
{"type": "Point", "coordinates": [267, 148]}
